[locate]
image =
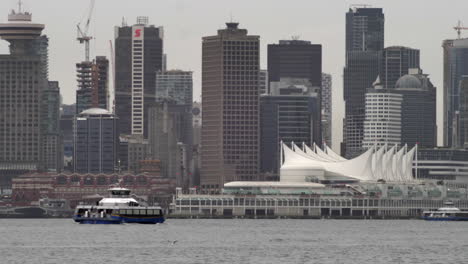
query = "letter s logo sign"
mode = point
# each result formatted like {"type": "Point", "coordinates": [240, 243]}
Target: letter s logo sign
{"type": "Point", "coordinates": [137, 33]}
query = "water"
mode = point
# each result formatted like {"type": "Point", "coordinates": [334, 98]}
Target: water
{"type": "Point", "coordinates": [235, 241]}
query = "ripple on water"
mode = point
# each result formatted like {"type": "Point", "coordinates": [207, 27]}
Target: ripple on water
{"type": "Point", "coordinates": [234, 241]}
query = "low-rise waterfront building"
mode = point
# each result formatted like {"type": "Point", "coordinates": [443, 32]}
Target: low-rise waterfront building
{"type": "Point", "coordinates": [276, 200]}
{"type": "Point", "coordinates": [75, 187]}
{"type": "Point", "coordinates": [447, 164]}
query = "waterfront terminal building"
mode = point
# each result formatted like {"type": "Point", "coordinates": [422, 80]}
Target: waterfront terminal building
{"type": "Point", "coordinates": [318, 183]}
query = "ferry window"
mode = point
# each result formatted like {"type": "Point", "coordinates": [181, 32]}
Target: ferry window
{"type": "Point", "coordinates": [150, 212]}
{"type": "Point", "coordinates": [142, 212]}
{"type": "Point", "coordinates": [128, 212]}
{"type": "Point", "coordinates": [157, 212]}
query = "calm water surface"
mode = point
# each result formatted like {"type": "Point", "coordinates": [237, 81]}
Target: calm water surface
{"type": "Point", "coordinates": [235, 241]}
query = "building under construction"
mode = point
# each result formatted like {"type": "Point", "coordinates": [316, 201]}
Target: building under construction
{"type": "Point", "coordinates": [93, 84]}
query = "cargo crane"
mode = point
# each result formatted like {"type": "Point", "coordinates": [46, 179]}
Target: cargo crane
{"type": "Point", "coordinates": [83, 36]}
{"type": "Point", "coordinates": [459, 28]}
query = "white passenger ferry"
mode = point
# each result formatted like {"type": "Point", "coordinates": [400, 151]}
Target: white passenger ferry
{"type": "Point", "coordinates": [117, 209]}
{"type": "Point", "coordinates": [447, 213]}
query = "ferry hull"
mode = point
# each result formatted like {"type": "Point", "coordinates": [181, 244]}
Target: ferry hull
{"type": "Point", "coordinates": [118, 220]}
{"type": "Point", "coordinates": [445, 218]}
{"type": "Point", "coordinates": [97, 221]}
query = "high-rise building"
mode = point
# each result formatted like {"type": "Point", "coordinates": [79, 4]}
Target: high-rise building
{"type": "Point", "coordinates": [290, 113]}
{"type": "Point", "coordinates": [53, 139]}
{"type": "Point", "coordinates": [138, 56]}
{"type": "Point", "coordinates": [382, 123]}
{"type": "Point", "coordinates": [295, 59]}
{"type": "Point", "coordinates": [327, 108]}
{"type": "Point", "coordinates": [396, 62]}
{"type": "Point", "coordinates": [174, 97]}
{"type": "Point", "coordinates": [93, 84]}
{"type": "Point", "coordinates": [23, 81]}
{"type": "Point", "coordinates": [418, 109]}
{"type": "Point", "coordinates": [455, 66]}
{"type": "Point", "coordinates": [67, 117]}
{"type": "Point", "coordinates": [95, 134]}
{"type": "Point", "coordinates": [365, 29]}
{"type": "Point", "coordinates": [170, 132]}
{"type": "Point", "coordinates": [175, 84]}
{"type": "Point", "coordinates": [196, 153]}
{"type": "Point", "coordinates": [463, 113]}
{"type": "Point", "coordinates": [230, 97]}
{"type": "Point", "coordinates": [263, 82]}
{"type": "Point", "coordinates": [138, 150]}
{"type": "Point", "coordinates": [361, 70]}
{"type": "Point", "coordinates": [364, 45]}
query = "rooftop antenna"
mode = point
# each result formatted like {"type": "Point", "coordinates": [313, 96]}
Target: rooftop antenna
{"type": "Point", "coordinates": [295, 37]}
{"type": "Point", "coordinates": [20, 4]}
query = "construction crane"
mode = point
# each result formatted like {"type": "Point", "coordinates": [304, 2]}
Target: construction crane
{"type": "Point", "coordinates": [83, 36]}
{"type": "Point", "coordinates": [459, 28]}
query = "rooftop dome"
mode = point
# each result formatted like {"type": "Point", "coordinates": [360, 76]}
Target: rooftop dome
{"type": "Point", "coordinates": [408, 81]}
{"type": "Point", "coordinates": [95, 111]}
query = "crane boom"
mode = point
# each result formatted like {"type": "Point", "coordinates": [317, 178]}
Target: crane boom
{"type": "Point", "coordinates": [83, 36]}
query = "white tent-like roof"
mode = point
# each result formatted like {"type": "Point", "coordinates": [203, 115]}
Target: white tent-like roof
{"type": "Point", "coordinates": [384, 163]}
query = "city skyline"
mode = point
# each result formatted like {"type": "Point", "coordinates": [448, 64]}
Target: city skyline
{"type": "Point", "coordinates": [435, 22]}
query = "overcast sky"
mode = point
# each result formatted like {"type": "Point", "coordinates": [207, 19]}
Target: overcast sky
{"type": "Point", "coordinates": [421, 24]}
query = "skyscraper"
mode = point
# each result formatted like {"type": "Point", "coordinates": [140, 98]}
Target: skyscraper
{"type": "Point", "coordinates": [396, 61]}
{"type": "Point", "coordinates": [463, 116]}
{"type": "Point", "coordinates": [168, 126]}
{"type": "Point", "coordinates": [173, 114]}
{"type": "Point", "coordinates": [364, 44]}
{"type": "Point", "coordinates": [53, 138]}
{"type": "Point", "coordinates": [93, 84]}
{"type": "Point", "coordinates": [230, 96]}
{"type": "Point", "coordinates": [418, 109]}
{"type": "Point", "coordinates": [290, 113]}
{"type": "Point", "coordinates": [455, 66]}
{"type": "Point", "coordinates": [263, 82]}
{"type": "Point", "coordinates": [138, 56]}
{"type": "Point", "coordinates": [297, 59]}
{"type": "Point", "coordinates": [23, 80]}
{"type": "Point", "coordinates": [327, 108]}
{"type": "Point", "coordinates": [382, 123]}
{"type": "Point", "coordinates": [365, 29]}
{"type": "Point", "coordinates": [95, 136]}
{"type": "Point", "coordinates": [175, 84]}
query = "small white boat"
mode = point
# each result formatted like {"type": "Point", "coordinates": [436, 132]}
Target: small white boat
{"type": "Point", "coordinates": [447, 213]}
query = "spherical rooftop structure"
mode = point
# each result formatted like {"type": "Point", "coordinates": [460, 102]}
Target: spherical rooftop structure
{"type": "Point", "coordinates": [408, 81]}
